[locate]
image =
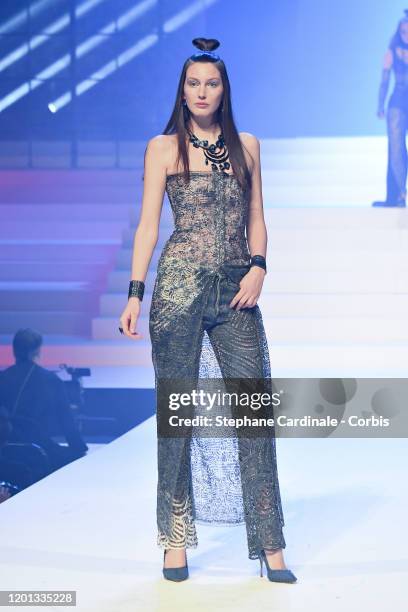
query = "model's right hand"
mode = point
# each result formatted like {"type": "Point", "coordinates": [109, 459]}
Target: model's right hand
{"type": "Point", "coordinates": [129, 318]}
{"type": "Point", "coordinates": [380, 114]}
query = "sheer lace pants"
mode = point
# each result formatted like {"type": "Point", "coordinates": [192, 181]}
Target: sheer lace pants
{"type": "Point", "coordinates": [234, 336]}
{"type": "Point", "coordinates": [397, 123]}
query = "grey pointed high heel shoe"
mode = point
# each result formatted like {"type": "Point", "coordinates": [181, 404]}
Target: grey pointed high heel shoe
{"type": "Point", "coordinates": [177, 574]}
{"type": "Point", "coordinates": [276, 575]}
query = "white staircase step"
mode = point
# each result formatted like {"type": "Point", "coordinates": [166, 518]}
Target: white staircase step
{"type": "Point", "coordinates": [70, 322]}
{"type": "Point", "coordinates": [47, 213]}
{"type": "Point", "coordinates": [362, 218]}
{"type": "Point", "coordinates": [327, 146]}
{"type": "Point", "coordinates": [295, 330]}
{"type": "Point", "coordinates": [58, 250]}
{"type": "Point", "coordinates": [328, 259]}
{"type": "Point", "coordinates": [295, 280]}
{"type": "Point", "coordinates": [317, 239]}
{"type": "Point", "coordinates": [295, 304]}
{"type": "Point", "coordinates": [88, 271]}
{"type": "Point", "coordinates": [68, 229]}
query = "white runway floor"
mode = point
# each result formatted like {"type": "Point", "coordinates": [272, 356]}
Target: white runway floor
{"type": "Point", "coordinates": [90, 527]}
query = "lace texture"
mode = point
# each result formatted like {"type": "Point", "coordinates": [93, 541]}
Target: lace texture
{"type": "Point", "coordinates": [195, 334]}
{"type": "Point", "coordinates": [397, 123]}
{"type": "Point", "coordinates": [209, 219]}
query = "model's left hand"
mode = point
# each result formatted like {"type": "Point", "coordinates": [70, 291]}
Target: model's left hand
{"type": "Point", "coordinates": [250, 288]}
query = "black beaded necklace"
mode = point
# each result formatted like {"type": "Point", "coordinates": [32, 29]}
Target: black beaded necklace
{"type": "Point", "coordinates": [211, 155]}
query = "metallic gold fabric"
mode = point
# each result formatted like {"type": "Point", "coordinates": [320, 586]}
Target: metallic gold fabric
{"type": "Point", "coordinates": [195, 334]}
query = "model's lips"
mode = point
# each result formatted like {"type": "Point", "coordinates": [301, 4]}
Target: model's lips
{"type": "Point", "coordinates": [201, 104]}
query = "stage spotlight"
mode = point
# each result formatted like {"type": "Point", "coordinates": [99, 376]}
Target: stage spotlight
{"type": "Point", "coordinates": [52, 108]}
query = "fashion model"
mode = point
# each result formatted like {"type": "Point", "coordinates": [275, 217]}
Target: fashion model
{"type": "Point", "coordinates": [396, 59]}
{"type": "Point", "coordinates": [204, 319]}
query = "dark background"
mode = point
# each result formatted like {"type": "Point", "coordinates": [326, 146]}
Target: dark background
{"type": "Point", "coordinates": [297, 67]}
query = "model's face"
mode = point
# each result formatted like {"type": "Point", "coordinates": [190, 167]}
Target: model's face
{"type": "Point", "coordinates": [404, 32]}
{"type": "Point", "coordinates": [203, 84]}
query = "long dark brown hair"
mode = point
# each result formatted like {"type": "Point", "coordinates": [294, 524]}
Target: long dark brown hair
{"type": "Point", "coordinates": [396, 40]}
{"type": "Point", "coordinates": [180, 115]}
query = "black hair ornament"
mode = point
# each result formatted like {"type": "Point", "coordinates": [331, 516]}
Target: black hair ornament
{"type": "Point", "coordinates": [206, 53]}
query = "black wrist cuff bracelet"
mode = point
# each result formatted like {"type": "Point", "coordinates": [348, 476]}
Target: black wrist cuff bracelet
{"type": "Point", "coordinates": [136, 289]}
{"type": "Point", "coordinates": [258, 260]}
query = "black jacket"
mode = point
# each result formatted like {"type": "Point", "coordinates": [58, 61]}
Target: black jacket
{"type": "Point", "coordinates": [43, 400]}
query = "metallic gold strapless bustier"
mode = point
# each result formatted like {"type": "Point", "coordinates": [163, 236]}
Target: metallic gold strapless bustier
{"type": "Point", "coordinates": [210, 216]}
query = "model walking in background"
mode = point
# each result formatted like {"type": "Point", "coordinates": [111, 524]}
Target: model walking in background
{"type": "Point", "coordinates": [396, 59]}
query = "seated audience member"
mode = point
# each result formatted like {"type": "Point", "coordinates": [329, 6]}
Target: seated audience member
{"type": "Point", "coordinates": [37, 403]}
